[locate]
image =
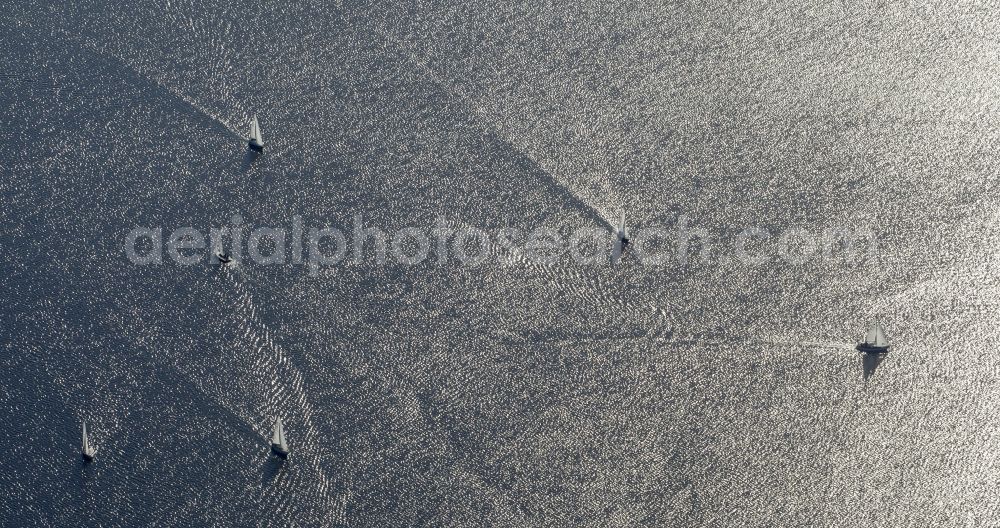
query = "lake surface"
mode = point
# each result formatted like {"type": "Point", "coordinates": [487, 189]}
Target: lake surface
{"type": "Point", "coordinates": [516, 392]}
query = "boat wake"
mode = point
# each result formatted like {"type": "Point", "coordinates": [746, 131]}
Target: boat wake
{"type": "Point", "coordinates": [494, 128]}
{"type": "Point", "coordinates": [789, 342]}
{"type": "Point", "coordinates": [104, 54]}
{"type": "Point", "coordinates": [268, 368]}
{"type": "Point", "coordinates": [240, 369]}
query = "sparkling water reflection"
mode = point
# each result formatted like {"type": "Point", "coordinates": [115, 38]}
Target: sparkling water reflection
{"type": "Point", "coordinates": [515, 395]}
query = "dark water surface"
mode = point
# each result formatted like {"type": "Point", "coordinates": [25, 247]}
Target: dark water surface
{"type": "Point", "coordinates": [514, 393]}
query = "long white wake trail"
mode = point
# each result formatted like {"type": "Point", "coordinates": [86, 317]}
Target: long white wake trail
{"type": "Point", "coordinates": [283, 393]}
{"type": "Point", "coordinates": [106, 54]}
{"type": "Point", "coordinates": [494, 127]}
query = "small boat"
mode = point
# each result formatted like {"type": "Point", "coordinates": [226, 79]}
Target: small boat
{"type": "Point", "coordinates": [622, 241]}
{"type": "Point", "coordinates": [256, 140]}
{"type": "Point", "coordinates": [223, 258]}
{"type": "Point", "coordinates": [278, 445]}
{"type": "Point", "coordinates": [87, 451]}
{"type": "Point", "coordinates": [875, 341]}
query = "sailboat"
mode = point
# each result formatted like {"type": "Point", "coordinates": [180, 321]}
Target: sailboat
{"type": "Point", "coordinates": [256, 141]}
{"type": "Point", "coordinates": [223, 258]}
{"type": "Point", "coordinates": [88, 451]}
{"type": "Point", "coordinates": [278, 445]}
{"type": "Point", "coordinates": [622, 241]}
{"type": "Point", "coordinates": [220, 257]}
{"type": "Point", "coordinates": [875, 341]}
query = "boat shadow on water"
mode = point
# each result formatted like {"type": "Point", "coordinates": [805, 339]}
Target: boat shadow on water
{"type": "Point", "coordinates": [84, 467]}
{"type": "Point", "coordinates": [86, 473]}
{"type": "Point", "coordinates": [870, 362]}
{"type": "Point", "coordinates": [272, 469]}
{"type": "Point", "coordinates": [249, 157]}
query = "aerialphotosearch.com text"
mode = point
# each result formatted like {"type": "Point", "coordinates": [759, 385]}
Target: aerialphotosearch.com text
{"type": "Point", "coordinates": [448, 243]}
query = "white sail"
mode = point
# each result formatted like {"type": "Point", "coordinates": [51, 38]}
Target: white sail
{"type": "Point", "coordinates": [256, 132]}
{"type": "Point", "coordinates": [870, 335]}
{"type": "Point", "coordinates": [880, 339]}
{"type": "Point", "coordinates": [87, 450]}
{"type": "Point", "coordinates": [876, 336]}
{"type": "Point", "coordinates": [278, 436]}
{"type": "Point", "coordinates": [616, 252]}
{"type": "Point", "coordinates": [256, 140]}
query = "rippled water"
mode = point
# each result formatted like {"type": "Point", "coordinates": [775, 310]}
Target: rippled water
{"type": "Point", "coordinates": [514, 393]}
